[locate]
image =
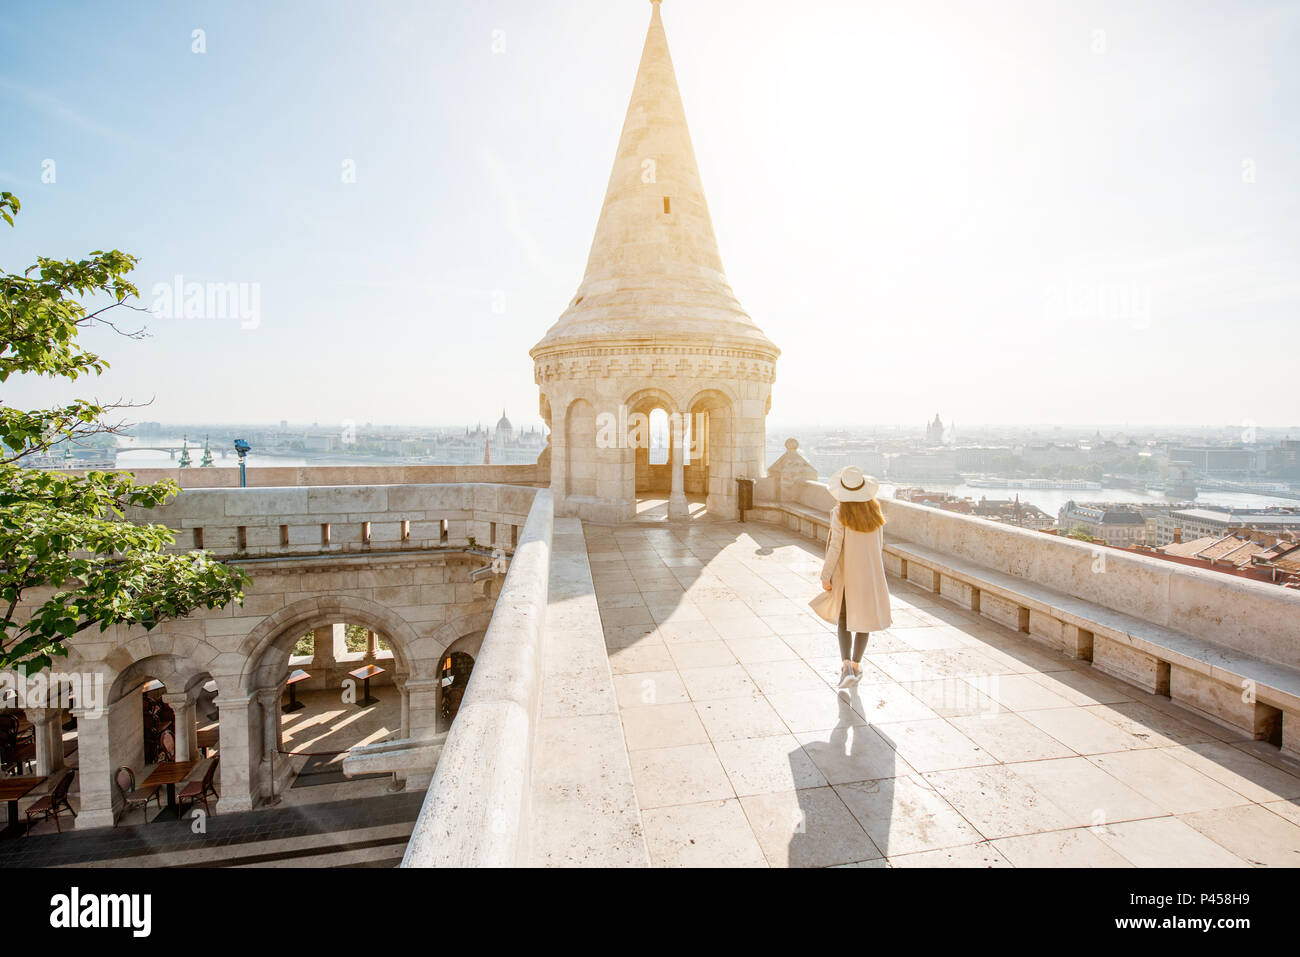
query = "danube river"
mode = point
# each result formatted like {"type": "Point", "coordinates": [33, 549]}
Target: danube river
{"type": "Point", "coordinates": [1051, 500]}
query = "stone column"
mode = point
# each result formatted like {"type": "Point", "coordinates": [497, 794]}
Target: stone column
{"type": "Point", "coordinates": [94, 767]}
{"type": "Point", "coordinates": [187, 726]}
{"type": "Point", "coordinates": [324, 655]}
{"type": "Point", "coordinates": [278, 768]}
{"type": "Point", "coordinates": [48, 723]}
{"type": "Point", "coordinates": [677, 507]}
{"type": "Point", "coordinates": [420, 707]}
{"type": "Point", "coordinates": [240, 752]}
{"type": "Point", "coordinates": [405, 731]}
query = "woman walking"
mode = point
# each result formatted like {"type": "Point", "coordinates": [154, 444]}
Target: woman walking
{"type": "Point", "coordinates": [854, 572]}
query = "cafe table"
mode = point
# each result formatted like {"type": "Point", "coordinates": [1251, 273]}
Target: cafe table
{"type": "Point", "coordinates": [170, 773]}
{"type": "Point", "coordinates": [365, 674]}
{"type": "Point", "coordinates": [294, 704]}
{"type": "Point", "coordinates": [13, 790]}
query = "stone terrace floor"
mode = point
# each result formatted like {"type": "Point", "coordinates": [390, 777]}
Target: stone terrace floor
{"type": "Point", "coordinates": [966, 744]}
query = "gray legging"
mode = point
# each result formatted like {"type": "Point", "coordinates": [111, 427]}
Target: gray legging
{"type": "Point", "coordinates": [859, 639]}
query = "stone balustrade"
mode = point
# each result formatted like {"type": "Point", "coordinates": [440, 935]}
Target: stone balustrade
{"type": "Point", "coordinates": [478, 805]}
{"type": "Point", "coordinates": [536, 475]}
{"type": "Point", "coordinates": [275, 522]}
{"type": "Point", "coordinates": [1226, 647]}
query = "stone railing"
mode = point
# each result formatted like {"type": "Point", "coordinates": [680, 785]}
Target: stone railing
{"type": "Point", "coordinates": [478, 804]}
{"type": "Point", "coordinates": [344, 520]}
{"type": "Point", "coordinates": [536, 475]}
{"type": "Point", "coordinates": [1226, 647]}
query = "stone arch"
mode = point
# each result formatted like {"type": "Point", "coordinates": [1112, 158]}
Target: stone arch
{"type": "Point", "coordinates": [264, 655]}
{"type": "Point", "coordinates": [719, 390]}
{"type": "Point", "coordinates": [180, 639]}
{"type": "Point", "coordinates": [278, 632]}
{"type": "Point", "coordinates": [713, 471]}
{"type": "Point", "coordinates": [580, 449]}
{"type": "Point", "coordinates": [651, 396]}
{"type": "Point", "coordinates": [176, 672]}
{"type": "Point", "coordinates": [448, 633]}
{"type": "Point", "coordinates": [649, 477]}
{"type": "Point", "coordinates": [133, 737]}
{"type": "Point", "coordinates": [464, 650]}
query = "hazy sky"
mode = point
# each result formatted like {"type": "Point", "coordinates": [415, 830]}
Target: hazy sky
{"type": "Point", "coordinates": [1005, 212]}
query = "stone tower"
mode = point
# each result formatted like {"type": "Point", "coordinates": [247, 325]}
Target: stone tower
{"type": "Point", "coordinates": [654, 326]}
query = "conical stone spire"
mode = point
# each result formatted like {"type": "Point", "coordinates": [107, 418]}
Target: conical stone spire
{"type": "Point", "coordinates": [654, 325]}
{"type": "Point", "coordinates": [654, 270]}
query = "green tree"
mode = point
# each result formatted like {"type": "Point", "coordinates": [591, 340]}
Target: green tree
{"type": "Point", "coordinates": [69, 559]}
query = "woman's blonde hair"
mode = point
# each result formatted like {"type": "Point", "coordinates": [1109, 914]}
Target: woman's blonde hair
{"type": "Point", "coordinates": [862, 516]}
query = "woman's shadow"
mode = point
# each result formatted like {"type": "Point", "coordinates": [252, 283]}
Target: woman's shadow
{"type": "Point", "coordinates": [847, 820]}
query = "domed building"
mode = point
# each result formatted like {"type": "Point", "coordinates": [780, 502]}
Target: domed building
{"type": "Point", "coordinates": [654, 328]}
{"type": "Point", "coordinates": [505, 432]}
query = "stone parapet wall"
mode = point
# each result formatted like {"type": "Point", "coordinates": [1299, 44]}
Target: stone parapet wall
{"type": "Point", "coordinates": [343, 519]}
{"type": "Point", "coordinates": [536, 476]}
{"type": "Point", "coordinates": [479, 802]}
{"type": "Point", "coordinates": [1251, 618]}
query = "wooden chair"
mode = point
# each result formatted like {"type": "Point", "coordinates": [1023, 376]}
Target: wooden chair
{"type": "Point", "coordinates": [50, 805]}
{"type": "Point", "coordinates": [14, 755]}
{"type": "Point", "coordinates": [133, 797]}
{"type": "Point", "coordinates": [197, 791]}
{"type": "Point", "coordinates": [8, 742]}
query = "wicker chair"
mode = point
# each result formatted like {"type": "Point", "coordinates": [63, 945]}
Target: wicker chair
{"type": "Point", "coordinates": [198, 791]}
{"type": "Point", "coordinates": [133, 797]}
{"type": "Point", "coordinates": [50, 805]}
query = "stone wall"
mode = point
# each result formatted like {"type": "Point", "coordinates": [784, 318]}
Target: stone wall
{"type": "Point", "coordinates": [276, 476]}
{"type": "Point", "coordinates": [477, 808]}
{"type": "Point", "coordinates": [1255, 618]}
{"type": "Point", "coordinates": [273, 522]}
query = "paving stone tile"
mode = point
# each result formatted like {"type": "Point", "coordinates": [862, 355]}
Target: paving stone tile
{"type": "Point", "coordinates": [1086, 794]}
{"type": "Point", "coordinates": [807, 828]}
{"type": "Point", "coordinates": [648, 688]}
{"type": "Point", "coordinates": [905, 815]}
{"type": "Point", "coordinates": [1074, 848]}
{"type": "Point", "coordinates": [724, 681]}
{"type": "Point", "coordinates": [1175, 785]}
{"type": "Point", "coordinates": [683, 775]}
{"type": "Point", "coordinates": [762, 765]}
{"type": "Point", "coordinates": [663, 726]}
{"type": "Point", "coordinates": [711, 834]}
{"type": "Point", "coordinates": [1252, 832]}
{"type": "Point", "coordinates": [996, 801]}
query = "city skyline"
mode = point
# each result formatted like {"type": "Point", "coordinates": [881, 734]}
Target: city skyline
{"type": "Point", "coordinates": [1018, 194]}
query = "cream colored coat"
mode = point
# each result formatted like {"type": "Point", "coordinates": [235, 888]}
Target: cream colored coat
{"type": "Point", "coordinates": [856, 571]}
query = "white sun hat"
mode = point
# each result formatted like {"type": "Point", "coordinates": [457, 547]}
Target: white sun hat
{"type": "Point", "coordinates": [850, 485]}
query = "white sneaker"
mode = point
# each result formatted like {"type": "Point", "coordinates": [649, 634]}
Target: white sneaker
{"type": "Point", "coordinates": [846, 675]}
{"type": "Point", "coordinates": [853, 679]}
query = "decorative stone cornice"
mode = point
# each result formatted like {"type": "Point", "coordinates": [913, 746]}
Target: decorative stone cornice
{"type": "Point", "coordinates": [654, 362]}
